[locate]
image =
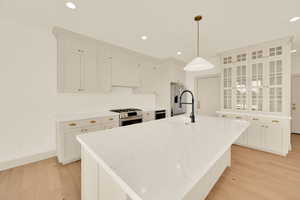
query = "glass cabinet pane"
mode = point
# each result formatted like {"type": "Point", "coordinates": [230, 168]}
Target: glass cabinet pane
{"type": "Point", "coordinates": [227, 99]}
{"type": "Point", "coordinates": [275, 84]}
{"type": "Point", "coordinates": [241, 85]}
{"type": "Point", "coordinates": [275, 72]}
{"type": "Point", "coordinates": [257, 81]}
{"type": "Point", "coordinates": [227, 78]}
{"type": "Point", "coordinates": [275, 97]}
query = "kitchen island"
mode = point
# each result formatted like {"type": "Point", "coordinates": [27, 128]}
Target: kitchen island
{"type": "Point", "coordinates": [169, 159]}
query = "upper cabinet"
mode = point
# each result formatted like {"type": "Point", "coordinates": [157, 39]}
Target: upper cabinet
{"type": "Point", "coordinates": [83, 66]}
{"type": "Point", "coordinates": [78, 63]}
{"type": "Point", "coordinates": [126, 68]}
{"type": "Point", "coordinates": [86, 65]}
{"type": "Point", "coordinates": [257, 78]}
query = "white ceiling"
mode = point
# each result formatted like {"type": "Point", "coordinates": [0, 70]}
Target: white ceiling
{"type": "Point", "coordinates": [168, 24]}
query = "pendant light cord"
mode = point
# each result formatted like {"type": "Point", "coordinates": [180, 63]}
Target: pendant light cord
{"type": "Point", "coordinates": [198, 39]}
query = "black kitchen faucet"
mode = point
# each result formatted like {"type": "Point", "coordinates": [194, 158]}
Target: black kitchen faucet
{"type": "Point", "coordinates": [192, 116]}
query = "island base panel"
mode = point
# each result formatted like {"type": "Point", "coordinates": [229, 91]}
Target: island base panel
{"type": "Point", "coordinates": [98, 185]}
{"type": "Point", "coordinates": [207, 182]}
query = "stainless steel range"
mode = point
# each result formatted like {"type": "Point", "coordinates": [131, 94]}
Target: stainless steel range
{"type": "Point", "coordinates": [129, 116]}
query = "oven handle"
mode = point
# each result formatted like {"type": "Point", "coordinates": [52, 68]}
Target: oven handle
{"type": "Point", "coordinates": [131, 118]}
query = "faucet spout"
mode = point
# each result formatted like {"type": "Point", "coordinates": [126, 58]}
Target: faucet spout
{"type": "Point", "coordinates": [192, 116]}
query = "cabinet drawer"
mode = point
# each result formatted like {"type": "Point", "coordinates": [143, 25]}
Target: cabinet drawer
{"type": "Point", "coordinates": [111, 125]}
{"type": "Point", "coordinates": [148, 116]}
{"type": "Point", "coordinates": [109, 120]}
{"type": "Point", "coordinates": [71, 125]}
{"type": "Point", "coordinates": [94, 128]}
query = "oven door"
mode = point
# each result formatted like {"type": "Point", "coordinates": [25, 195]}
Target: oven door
{"type": "Point", "coordinates": [160, 114]}
{"type": "Point", "coordinates": [131, 120]}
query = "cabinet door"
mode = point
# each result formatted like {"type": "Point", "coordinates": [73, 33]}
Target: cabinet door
{"type": "Point", "coordinates": [227, 88]}
{"type": "Point", "coordinates": [89, 67]}
{"type": "Point", "coordinates": [241, 87]}
{"type": "Point", "coordinates": [72, 146]}
{"type": "Point", "coordinates": [255, 135]}
{"type": "Point", "coordinates": [125, 69]}
{"type": "Point", "coordinates": [275, 88]}
{"type": "Point", "coordinates": [72, 66]}
{"type": "Point", "coordinates": [104, 63]}
{"type": "Point", "coordinates": [148, 78]}
{"type": "Point", "coordinates": [273, 137]}
{"type": "Point", "coordinates": [257, 83]}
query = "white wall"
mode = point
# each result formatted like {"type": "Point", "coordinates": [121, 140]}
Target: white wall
{"type": "Point", "coordinates": [190, 77]}
{"type": "Point", "coordinates": [29, 100]}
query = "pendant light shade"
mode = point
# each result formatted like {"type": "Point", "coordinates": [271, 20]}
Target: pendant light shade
{"type": "Point", "coordinates": [198, 63]}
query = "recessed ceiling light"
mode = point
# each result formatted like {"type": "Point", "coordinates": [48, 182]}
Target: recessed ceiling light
{"type": "Point", "coordinates": [179, 53]}
{"type": "Point", "coordinates": [144, 37]}
{"type": "Point", "coordinates": [293, 51]}
{"type": "Point", "coordinates": [71, 5]}
{"type": "Point", "coordinates": [294, 19]}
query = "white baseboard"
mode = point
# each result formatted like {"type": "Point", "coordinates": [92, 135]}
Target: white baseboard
{"type": "Point", "coordinates": [26, 160]}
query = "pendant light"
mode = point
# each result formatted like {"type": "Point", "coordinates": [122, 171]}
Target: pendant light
{"type": "Point", "coordinates": [198, 63]}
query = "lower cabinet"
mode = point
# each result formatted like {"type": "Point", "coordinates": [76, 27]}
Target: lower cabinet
{"type": "Point", "coordinates": [255, 136]}
{"type": "Point", "coordinates": [265, 133]}
{"type": "Point", "coordinates": [71, 146]}
{"type": "Point", "coordinates": [148, 116]}
{"type": "Point", "coordinates": [273, 137]}
{"type": "Point", "coordinates": [68, 148]}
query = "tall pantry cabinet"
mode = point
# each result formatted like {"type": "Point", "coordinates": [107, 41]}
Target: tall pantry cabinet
{"type": "Point", "coordinates": [256, 87]}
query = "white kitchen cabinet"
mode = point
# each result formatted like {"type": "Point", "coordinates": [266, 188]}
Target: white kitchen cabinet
{"type": "Point", "coordinates": [257, 78]}
{"type": "Point", "coordinates": [72, 146]}
{"type": "Point", "coordinates": [68, 148]}
{"type": "Point", "coordinates": [273, 136]}
{"type": "Point", "coordinates": [104, 68]}
{"type": "Point", "coordinates": [78, 68]}
{"type": "Point", "coordinates": [149, 77]}
{"type": "Point", "coordinates": [72, 66]}
{"type": "Point", "coordinates": [126, 68]}
{"type": "Point", "coordinates": [265, 133]}
{"type": "Point", "coordinates": [148, 116]}
{"type": "Point", "coordinates": [256, 134]}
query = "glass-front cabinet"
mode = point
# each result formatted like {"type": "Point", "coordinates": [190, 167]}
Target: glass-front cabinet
{"type": "Point", "coordinates": [253, 79]}
{"type": "Point", "coordinates": [227, 85]}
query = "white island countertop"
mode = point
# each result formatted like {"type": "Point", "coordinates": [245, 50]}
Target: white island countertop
{"type": "Point", "coordinates": [162, 159]}
{"type": "Point", "coordinates": [83, 115]}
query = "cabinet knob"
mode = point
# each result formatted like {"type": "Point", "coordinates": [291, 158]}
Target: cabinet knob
{"type": "Point", "coordinates": [111, 119]}
{"type": "Point", "coordinates": [256, 119]}
{"type": "Point", "coordinates": [72, 124]}
{"type": "Point", "coordinates": [93, 122]}
{"type": "Point", "coordinates": [238, 117]}
{"type": "Point", "coordinates": [224, 115]}
{"type": "Point", "coordinates": [275, 121]}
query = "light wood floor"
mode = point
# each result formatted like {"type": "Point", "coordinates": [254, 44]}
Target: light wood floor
{"type": "Point", "coordinates": [254, 175]}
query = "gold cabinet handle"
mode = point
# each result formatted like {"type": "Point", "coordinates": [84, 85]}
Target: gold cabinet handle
{"type": "Point", "coordinates": [111, 119]}
{"type": "Point", "coordinates": [93, 122]}
{"type": "Point", "coordinates": [72, 124]}
{"type": "Point", "coordinates": [238, 117]}
{"type": "Point", "coordinates": [275, 121]}
{"type": "Point", "coordinates": [256, 119]}
{"type": "Point", "coordinates": [224, 115]}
